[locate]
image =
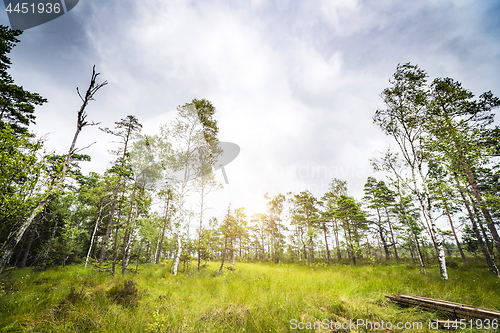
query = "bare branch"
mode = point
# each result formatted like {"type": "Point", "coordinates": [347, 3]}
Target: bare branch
{"type": "Point", "coordinates": [79, 150]}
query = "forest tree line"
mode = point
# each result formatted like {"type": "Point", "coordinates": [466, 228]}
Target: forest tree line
{"type": "Point", "coordinates": [445, 166]}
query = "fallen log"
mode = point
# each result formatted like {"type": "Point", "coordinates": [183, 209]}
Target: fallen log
{"type": "Point", "coordinates": [457, 310]}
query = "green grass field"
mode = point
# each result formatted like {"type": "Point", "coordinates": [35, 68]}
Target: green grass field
{"type": "Point", "coordinates": [255, 297]}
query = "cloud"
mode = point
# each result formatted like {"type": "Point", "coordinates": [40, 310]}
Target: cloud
{"type": "Point", "coordinates": [295, 84]}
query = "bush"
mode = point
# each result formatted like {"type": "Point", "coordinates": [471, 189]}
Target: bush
{"type": "Point", "coordinates": [124, 293]}
{"type": "Point", "coordinates": [68, 302]}
{"type": "Point", "coordinates": [450, 263]}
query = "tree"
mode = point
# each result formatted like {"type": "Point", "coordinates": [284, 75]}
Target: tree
{"type": "Point", "coordinates": [17, 106]}
{"type": "Point", "coordinates": [403, 207]}
{"type": "Point", "coordinates": [405, 119]}
{"type": "Point", "coordinates": [353, 222]}
{"type": "Point", "coordinates": [374, 199]}
{"type": "Point", "coordinates": [259, 232]}
{"type": "Point", "coordinates": [15, 236]}
{"type": "Point", "coordinates": [444, 196]}
{"type": "Point", "coordinates": [21, 175]}
{"type": "Point", "coordinates": [95, 193]}
{"type": "Point", "coordinates": [168, 196]}
{"type": "Point", "coordinates": [456, 123]}
{"type": "Point", "coordinates": [241, 229]}
{"type": "Point", "coordinates": [192, 130]}
{"type": "Point", "coordinates": [229, 232]}
{"type": "Point", "coordinates": [275, 206]}
{"type": "Point", "coordinates": [126, 129]}
{"type": "Point", "coordinates": [306, 216]}
{"type": "Point", "coordinates": [204, 185]}
{"type": "Point", "coordinates": [491, 264]}
{"type": "Point", "coordinates": [330, 199]}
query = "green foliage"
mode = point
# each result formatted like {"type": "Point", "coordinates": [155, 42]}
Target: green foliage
{"type": "Point", "coordinates": [21, 171]}
{"type": "Point", "coordinates": [469, 240]}
{"type": "Point", "coordinates": [17, 106]}
{"type": "Point", "coordinates": [206, 111]}
{"type": "Point", "coordinates": [354, 222]}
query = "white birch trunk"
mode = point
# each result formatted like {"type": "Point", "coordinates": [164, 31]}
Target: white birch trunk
{"type": "Point", "coordinates": [179, 251]}
{"type": "Point", "coordinates": [438, 241]}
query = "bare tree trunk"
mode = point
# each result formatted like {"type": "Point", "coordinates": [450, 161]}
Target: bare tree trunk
{"type": "Point", "coordinates": [94, 232]}
{"type": "Point", "coordinates": [419, 253]}
{"type": "Point", "coordinates": [30, 242]}
{"type": "Point", "coordinates": [223, 256]}
{"type": "Point", "coordinates": [115, 247]}
{"type": "Point", "coordinates": [126, 138]}
{"type": "Point", "coordinates": [453, 229]}
{"type": "Point", "coordinates": [427, 212]}
{"type": "Point", "coordinates": [138, 257]}
{"type": "Point", "coordinates": [201, 229]}
{"type": "Point", "coordinates": [311, 251]}
{"type": "Point", "coordinates": [411, 254]}
{"type": "Point", "coordinates": [49, 249]}
{"type": "Point", "coordinates": [109, 226]}
{"type": "Point", "coordinates": [179, 250]}
{"type": "Point", "coordinates": [382, 238]}
{"type": "Point", "coordinates": [13, 239]}
{"type": "Point", "coordinates": [392, 235]}
{"type": "Point", "coordinates": [326, 244]}
{"type": "Point", "coordinates": [482, 206]}
{"type": "Point", "coordinates": [414, 235]}
{"type": "Point", "coordinates": [130, 243]}
{"type": "Point", "coordinates": [491, 264]}
{"type": "Point", "coordinates": [156, 251]}
{"type": "Point", "coordinates": [127, 232]}
{"type": "Point", "coordinates": [160, 245]}
{"type": "Point", "coordinates": [384, 243]}
{"type": "Point", "coordinates": [232, 252]}
{"type": "Point", "coordinates": [348, 239]}
{"type": "Point", "coordinates": [336, 234]}
{"type": "Point", "coordinates": [480, 223]}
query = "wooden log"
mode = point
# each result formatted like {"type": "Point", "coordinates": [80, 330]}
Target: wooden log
{"type": "Point", "coordinates": [457, 310]}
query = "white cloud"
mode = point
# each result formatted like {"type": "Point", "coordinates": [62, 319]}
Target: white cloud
{"type": "Point", "coordinates": [295, 84]}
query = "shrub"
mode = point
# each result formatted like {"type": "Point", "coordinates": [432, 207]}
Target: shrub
{"type": "Point", "coordinates": [68, 302]}
{"type": "Point", "coordinates": [450, 263]}
{"type": "Point", "coordinates": [124, 293]}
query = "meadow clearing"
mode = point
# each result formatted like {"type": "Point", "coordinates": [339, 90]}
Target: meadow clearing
{"type": "Point", "coordinates": [254, 297]}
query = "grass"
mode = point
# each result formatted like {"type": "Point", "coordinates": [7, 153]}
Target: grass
{"type": "Point", "coordinates": [256, 297]}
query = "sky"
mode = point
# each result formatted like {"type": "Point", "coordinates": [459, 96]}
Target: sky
{"type": "Point", "coordinates": [295, 83]}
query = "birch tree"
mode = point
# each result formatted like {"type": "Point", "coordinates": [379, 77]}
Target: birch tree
{"type": "Point", "coordinates": [403, 207]}
{"type": "Point", "coordinates": [204, 185]}
{"type": "Point", "coordinates": [404, 118]}
{"type": "Point", "coordinates": [194, 128]}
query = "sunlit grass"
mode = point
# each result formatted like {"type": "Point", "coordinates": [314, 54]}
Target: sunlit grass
{"type": "Point", "coordinates": [256, 297]}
